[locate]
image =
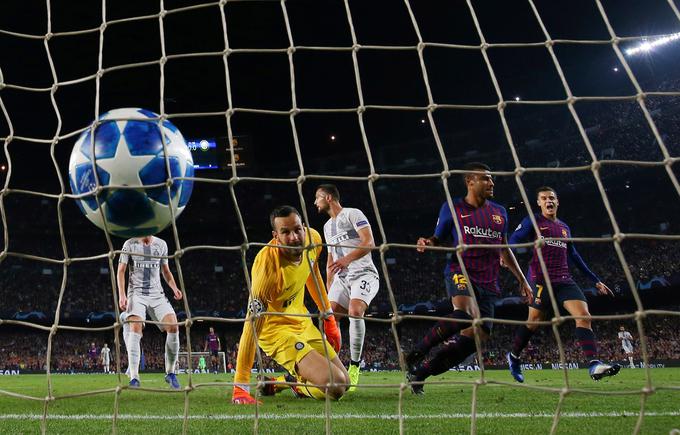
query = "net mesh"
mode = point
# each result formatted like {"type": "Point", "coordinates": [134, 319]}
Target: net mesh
{"type": "Point", "coordinates": [503, 102]}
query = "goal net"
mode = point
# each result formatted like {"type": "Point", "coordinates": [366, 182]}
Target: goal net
{"type": "Point", "coordinates": [388, 102]}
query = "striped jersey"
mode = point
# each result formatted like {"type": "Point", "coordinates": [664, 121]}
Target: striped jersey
{"type": "Point", "coordinates": [556, 253]}
{"type": "Point", "coordinates": [344, 230]}
{"type": "Point", "coordinates": [145, 276]}
{"type": "Point", "coordinates": [486, 225]}
{"type": "Point", "coordinates": [213, 341]}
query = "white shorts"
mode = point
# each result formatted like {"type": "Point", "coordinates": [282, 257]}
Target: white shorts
{"type": "Point", "coordinates": [628, 349]}
{"type": "Point", "coordinates": [157, 307]}
{"type": "Point", "coordinates": [362, 286]}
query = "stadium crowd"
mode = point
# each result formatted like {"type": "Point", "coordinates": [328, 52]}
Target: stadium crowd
{"type": "Point", "coordinates": [413, 277]}
{"type": "Point", "coordinates": [27, 349]}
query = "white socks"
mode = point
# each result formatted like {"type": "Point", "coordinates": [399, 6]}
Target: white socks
{"type": "Point", "coordinates": [133, 352]}
{"type": "Point", "coordinates": [357, 330]}
{"type": "Point", "coordinates": [632, 364]}
{"type": "Point", "coordinates": [126, 335]}
{"type": "Point", "coordinates": [126, 338]}
{"type": "Point", "coordinates": [171, 351]}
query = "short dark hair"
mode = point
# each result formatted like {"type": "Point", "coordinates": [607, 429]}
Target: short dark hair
{"type": "Point", "coordinates": [282, 211]}
{"type": "Point", "coordinates": [545, 189]}
{"type": "Point", "coordinates": [330, 189]}
{"type": "Point", "coordinates": [473, 166]}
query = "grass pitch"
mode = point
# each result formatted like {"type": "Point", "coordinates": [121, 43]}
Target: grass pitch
{"type": "Point", "coordinates": [504, 407]}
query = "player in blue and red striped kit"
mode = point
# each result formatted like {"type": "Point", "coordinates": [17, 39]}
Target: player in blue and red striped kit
{"type": "Point", "coordinates": [212, 342]}
{"type": "Point", "coordinates": [556, 255]}
{"type": "Point", "coordinates": [481, 221]}
{"type": "Point", "coordinates": [93, 355]}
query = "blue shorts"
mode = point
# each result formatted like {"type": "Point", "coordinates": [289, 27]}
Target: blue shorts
{"type": "Point", "coordinates": [486, 299]}
{"type": "Point", "coordinates": [564, 291]}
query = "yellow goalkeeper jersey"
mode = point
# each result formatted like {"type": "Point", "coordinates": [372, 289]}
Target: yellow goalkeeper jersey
{"type": "Point", "coordinates": [278, 286]}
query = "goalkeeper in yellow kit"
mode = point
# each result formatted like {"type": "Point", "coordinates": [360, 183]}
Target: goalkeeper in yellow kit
{"type": "Point", "coordinates": [280, 274]}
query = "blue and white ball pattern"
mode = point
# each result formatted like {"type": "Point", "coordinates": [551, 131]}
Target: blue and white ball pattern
{"type": "Point", "coordinates": [128, 151]}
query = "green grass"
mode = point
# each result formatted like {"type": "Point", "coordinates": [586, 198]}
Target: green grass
{"type": "Point", "coordinates": [443, 409]}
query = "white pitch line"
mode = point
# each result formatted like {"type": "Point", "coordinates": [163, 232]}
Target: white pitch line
{"type": "Point", "coordinates": [336, 416]}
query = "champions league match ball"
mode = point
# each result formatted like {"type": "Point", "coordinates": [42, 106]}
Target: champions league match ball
{"type": "Point", "coordinates": [128, 151]}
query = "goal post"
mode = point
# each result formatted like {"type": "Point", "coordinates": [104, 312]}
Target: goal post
{"type": "Point", "coordinates": [183, 362]}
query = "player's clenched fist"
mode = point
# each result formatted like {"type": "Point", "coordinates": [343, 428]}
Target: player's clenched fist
{"type": "Point", "coordinates": [422, 242]}
{"type": "Point", "coordinates": [122, 302]}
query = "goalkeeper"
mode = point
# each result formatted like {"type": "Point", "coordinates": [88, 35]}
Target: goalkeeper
{"type": "Point", "coordinates": [279, 275]}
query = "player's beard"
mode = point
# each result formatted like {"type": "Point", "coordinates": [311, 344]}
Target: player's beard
{"type": "Point", "coordinates": [291, 253]}
{"type": "Point", "coordinates": [487, 194]}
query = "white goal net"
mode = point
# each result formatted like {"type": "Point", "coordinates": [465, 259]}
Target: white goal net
{"type": "Point", "coordinates": [387, 101]}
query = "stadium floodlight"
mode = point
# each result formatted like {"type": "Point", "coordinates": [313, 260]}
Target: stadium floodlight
{"type": "Point", "coordinates": [647, 45]}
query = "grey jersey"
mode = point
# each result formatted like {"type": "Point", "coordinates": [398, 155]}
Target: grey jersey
{"type": "Point", "coordinates": [145, 276]}
{"type": "Point", "coordinates": [344, 230]}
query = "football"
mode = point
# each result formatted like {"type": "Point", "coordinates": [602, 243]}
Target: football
{"type": "Point", "coordinates": [133, 169]}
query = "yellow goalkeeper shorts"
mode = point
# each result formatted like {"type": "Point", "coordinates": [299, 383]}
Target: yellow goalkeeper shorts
{"type": "Point", "coordinates": [288, 347]}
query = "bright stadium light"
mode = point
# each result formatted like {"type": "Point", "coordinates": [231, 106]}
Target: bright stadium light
{"type": "Point", "coordinates": [648, 45]}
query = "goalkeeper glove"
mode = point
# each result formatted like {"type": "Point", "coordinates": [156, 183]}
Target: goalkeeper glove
{"type": "Point", "coordinates": [332, 332]}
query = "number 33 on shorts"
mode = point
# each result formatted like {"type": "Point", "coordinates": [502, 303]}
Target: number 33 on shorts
{"type": "Point", "coordinates": [365, 288]}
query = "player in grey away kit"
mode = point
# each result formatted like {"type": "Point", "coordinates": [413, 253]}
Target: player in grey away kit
{"type": "Point", "coordinates": [352, 278]}
{"type": "Point", "coordinates": [145, 296]}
